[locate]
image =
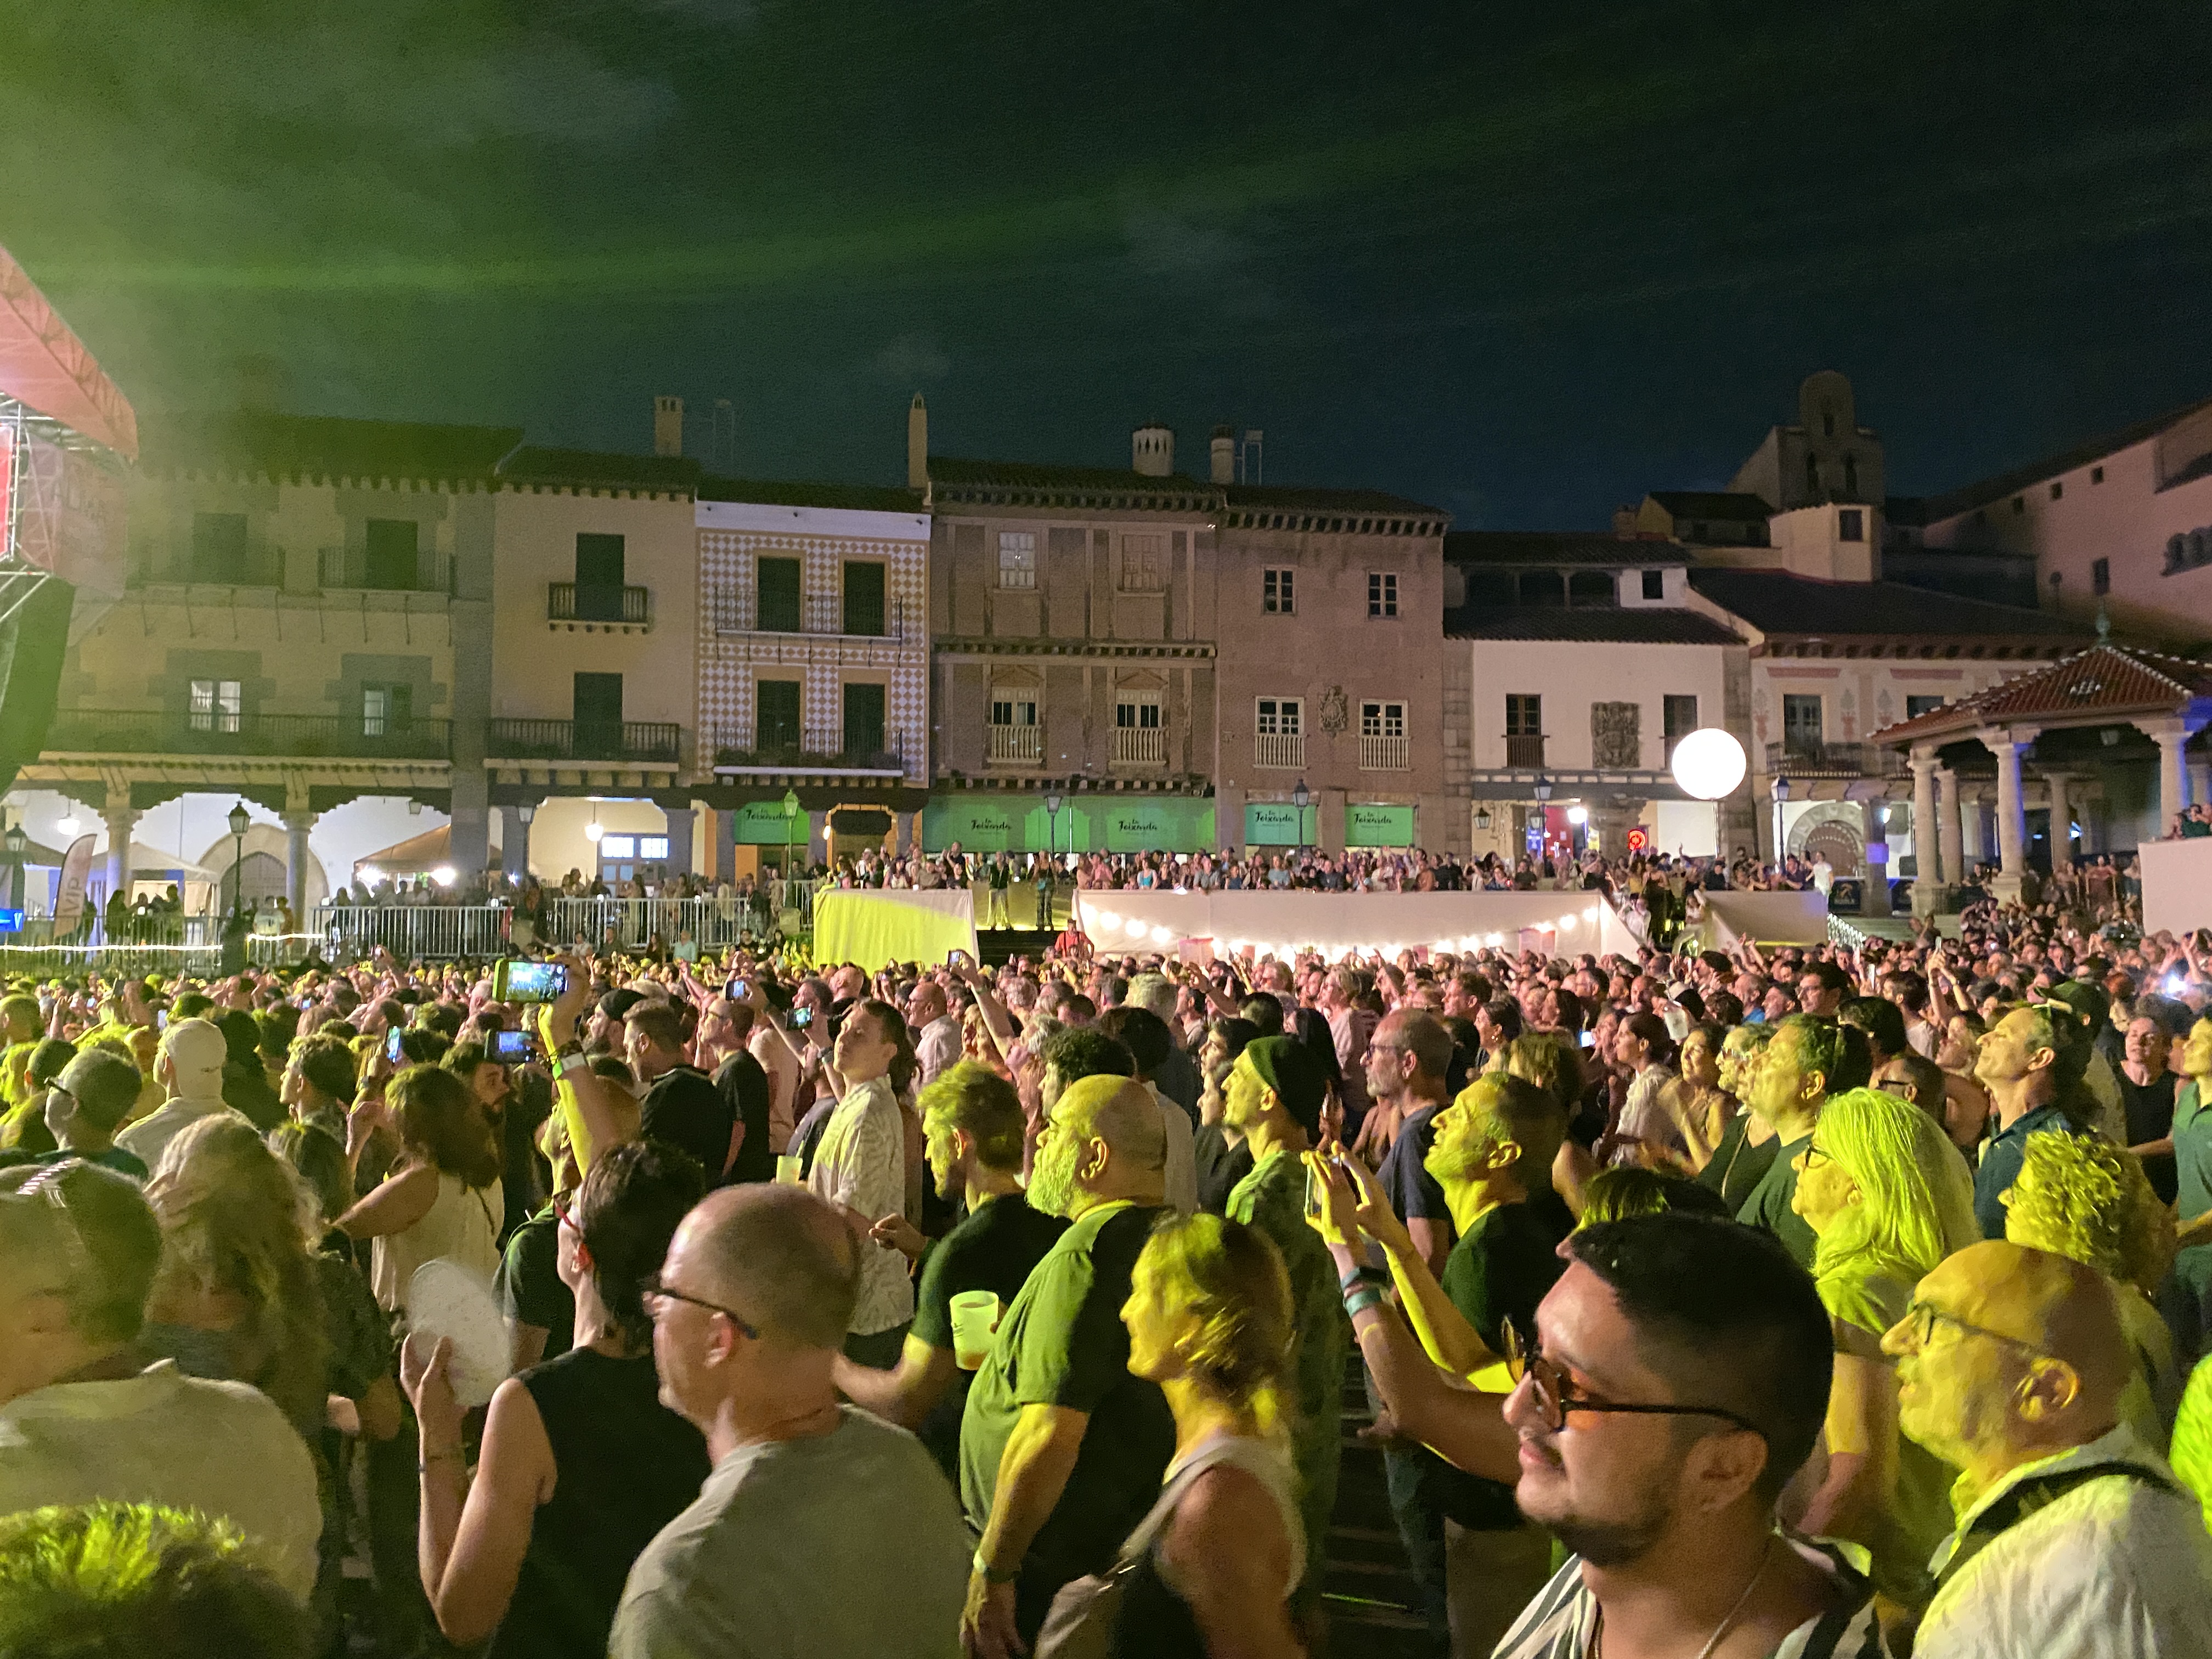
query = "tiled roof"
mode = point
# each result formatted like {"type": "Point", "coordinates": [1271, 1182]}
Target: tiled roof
{"type": "Point", "coordinates": [1950, 504]}
{"type": "Point", "coordinates": [2106, 679]}
{"type": "Point", "coordinates": [796, 492]}
{"type": "Point", "coordinates": [1295, 498]}
{"type": "Point", "coordinates": [1727, 507]}
{"type": "Point", "coordinates": [593, 469]}
{"type": "Point", "coordinates": [260, 443]}
{"type": "Point", "coordinates": [1553, 547]}
{"type": "Point", "coordinates": [1778, 602]}
{"type": "Point", "coordinates": [1610, 625]}
{"type": "Point", "coordinates": [965, 479]}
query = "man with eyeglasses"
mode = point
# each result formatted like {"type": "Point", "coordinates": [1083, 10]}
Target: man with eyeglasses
{"type": "Point", "coordinates": [1678, 1377]}
{"type": "Point", "coordinates": [749, 1315]}
{"type": "Point", "coordinates": [2074, 1541]}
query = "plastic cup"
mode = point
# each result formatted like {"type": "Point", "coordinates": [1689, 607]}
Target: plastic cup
{"type": "Point", "coordinates": [790, 1169]}
{"type": "Point", "coordinates": [975, 1316]}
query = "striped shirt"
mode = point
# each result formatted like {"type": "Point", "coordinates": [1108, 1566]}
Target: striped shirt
{"type": "Point", "coordinates": [1561, 1621]}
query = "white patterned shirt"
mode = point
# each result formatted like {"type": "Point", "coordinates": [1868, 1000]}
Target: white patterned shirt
{"type": "Point", "coordinates": [861, 1164]}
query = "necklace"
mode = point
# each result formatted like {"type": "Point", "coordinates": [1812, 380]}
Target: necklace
{"type": "Point", "coordinates": [1728, 1618]}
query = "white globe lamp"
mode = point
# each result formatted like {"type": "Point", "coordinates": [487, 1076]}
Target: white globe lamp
{"type": "Point", "coordinates": [1709, 763]}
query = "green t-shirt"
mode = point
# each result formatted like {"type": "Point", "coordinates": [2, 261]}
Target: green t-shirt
{"type": "Point", "coordinates": [995, 1250]}
{"type": "Point", "coordinates": [529, 1284]}
{"type": "Point", "coordinates": [1768, 1207]}
{"type": "Point", "coordinates": [1272, 1199]}
{"type": "Point", "coordinates": [1062, 1343]}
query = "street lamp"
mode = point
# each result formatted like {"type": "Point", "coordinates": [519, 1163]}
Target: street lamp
{"type": "Point", "coordinates": [790, 823]}
{"type": "Point", "coordinates": [523, 814]}
{"type": "Point", "coordinates": [239, 818]}
{"type": "Point", "coordinates": [1299, 797]}
{"type": "Point", "coordinates": [15, 840]}
{"type": "Point", "coordinates": [1781, 794]}
{"type": "Point", "coordinates": [1051, 857]}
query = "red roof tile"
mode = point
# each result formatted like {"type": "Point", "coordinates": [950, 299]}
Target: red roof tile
{"type": "Point", "coordinates": [2106, 679]}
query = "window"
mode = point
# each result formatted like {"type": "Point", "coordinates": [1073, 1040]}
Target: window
{"type": "Point", "coordinates": [1801, 723]}
{"type": "Point", "coordinates": [597, 701]}
{"type": "Point", "coordinates": [777, 715]}
{"type": "Point", "coordinates": [1654, 584]}
{"type": "Point", "coordinates": [1382, 592]}
{"type": "Point", "coordinates": [1827, 423]}
{"type": "Point", "coordinates": [653, 846]}
{"type": "Point", "coordinates": [779, 596]}
{"type": "Point", "coordinates": [1013, 711]}
{"type": "Point", "coordinates": [1277, 593]}
{"type": "Point", "coordinates": [1680, 716]}
{"type": "Point", "coordinates": [215, 705]}
{"type": "Point", "coordinates": [1524, 714]}
{"type": "Point", "coordinates": [385, 710]}
{"type": "Point", "coordinates": [1851, 475]}
{"type": "Point", "coordinates": [2100, 577]}
{"type": "Point", "coordinates": [1144, 564]}
{"type": "Point", "coordinates": [2057, 489]}
{"type": "Point", "coordinates": [1017, 558]}
{"type": "Point", "coordinates": [1381, 719]}
{"type": "Point", "coordinates": [864, 597]}
{"type": "Point", "coordinates": [1136, 712]}
{"type": "Point", "coordinates": [1915, 707]}
{"type": "Point", "coordinates": [1812, 478]}
{"type": "Point", "coordinates": [1850, 525]}
{"type": "Point", "coordinates": [2019, 505]}
{"type": "Point", "coordinates": [393, 548]}
{"type": "Point", "coordinates": [2096, 475]}
{"type": "Point", "coordinates": [1592, 589]}
{"type": "Point", "coordinates": [617, 847]}
{"type": "Point", "coordinates": [218, 547]}
{"type": "Point", "coordinates": [1279, 717]}
{"type": "Point", "coordinates": [864, 718]}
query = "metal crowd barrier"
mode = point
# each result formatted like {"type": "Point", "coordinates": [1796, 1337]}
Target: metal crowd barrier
{"type": "Point", "coordinates": [348, 932]}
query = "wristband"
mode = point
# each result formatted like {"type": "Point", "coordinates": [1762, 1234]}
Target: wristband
{"type": "Point", "coordinates": [991, 1575]}
{"type": "Point", "coordinates": [1366, 1296]}
{"type": "Point", "coordinates": [569, 1064]}
{"type": "Point", "coordinates": [1363, 1274]}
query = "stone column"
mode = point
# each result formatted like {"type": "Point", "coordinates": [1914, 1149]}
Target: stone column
{"type": "Point", "coordinates": [1927, 859]}
{"type": "Point", "coordinates": [122, 821]}
{"type": "Point", "coordinates": [2012, 818]}
{"type": "Point", "coordinates": [1328, 820]}
{"type": "Point", "coordinates": [296, 826]}
{"type": "Point", "coordinates": [681, 820]}
{"type": "Point", "coordinates": [1951, 833]}
{"type": "Point", "coordinates": [2173, 775]}
{"type": "Point", "coordinates": [2062, 821]}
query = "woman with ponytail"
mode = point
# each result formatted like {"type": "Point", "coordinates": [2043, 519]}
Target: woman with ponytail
{"type": "Point", "coordinates": [1213, 1566]}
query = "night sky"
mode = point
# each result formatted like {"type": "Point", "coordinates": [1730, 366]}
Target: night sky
{"type": "Point", "coordinates": [1523, 261]}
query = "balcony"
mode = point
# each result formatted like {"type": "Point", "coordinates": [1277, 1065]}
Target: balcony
{"type": "Point", "coordinates": [1285, 751]}
{"type": "Point", "coordinates": [428, 572]}
{"type": "Point", "coordinates": [158, 732]}
{"type": "Point", "coordinates": [568, 605]}
{"type": "Point", "coordinates": [739, 749]}
{"type": "Point", "coordinates": [645, 743]}
{"type": "Point", "coordinates": [1142, 745]}
{"type": "Point", "coordinates": [1802, 759]}
{"type": "Point", "coordinates": [739, 612]}
{"type": "Point", "coordinates": [1381, 753]}
{"type": "Point", "coordinates": [256, 564]}
{"type": "Point", "coordinates": [1524, 750]}
{"type": "Point", "coordinates": [1016, 745]}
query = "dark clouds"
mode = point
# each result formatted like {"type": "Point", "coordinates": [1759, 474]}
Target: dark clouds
{"type": "Point", "coordinates": [1523, 261]}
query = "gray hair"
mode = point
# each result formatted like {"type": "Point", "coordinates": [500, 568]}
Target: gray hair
{"type": "Point", "coordinates": [1154, 993]}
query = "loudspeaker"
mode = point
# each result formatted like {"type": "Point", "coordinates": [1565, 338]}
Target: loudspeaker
{"type": "Point", "coordinates": [33, 639]}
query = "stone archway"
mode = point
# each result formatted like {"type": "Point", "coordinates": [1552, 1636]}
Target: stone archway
{"type": "Point", "coordinates": [1832, 829]}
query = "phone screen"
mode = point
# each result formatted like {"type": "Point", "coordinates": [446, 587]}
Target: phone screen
{"type": "Point", "coordinates": [801, 1018]}
{"type": "Point", "coordinates": [738, 990]}
{"type": "Point", "coordinates": [511, 1047]}
{"type": "Point", "coordinates": [393, 1049]}
{"type": "Point", "coordinates": [530, 981]}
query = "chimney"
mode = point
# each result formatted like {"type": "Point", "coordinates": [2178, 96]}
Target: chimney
{"type": "Point", "coordinates": [1151, 450]}
{"type": "Point", "coordinates": [1624, 523]}
{"type": "Point", "coordinates": [668, 426]}
{"type": "Point", "coordinates": [1224, 452]}
{"type": "Point", "coordinates": [917, 445]}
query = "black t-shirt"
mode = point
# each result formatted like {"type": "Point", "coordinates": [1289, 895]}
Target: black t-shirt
{"type": "Point", "coordinates": [1499, 1270]}
{"type": "Point", "coordinates": [744, 1086]}
{"type": "Point", "coordinates": [684, 1108]}
{"type": "Point", "coordinates": [1768, 1208]}
{"type": "Point", "coordinates": [1220, 1166]}
{"type": "Point", "coordinates": [529, 1284]}
{"type": "Point", "coordinates": [993, 1250]}
{"type": "Point", "coordinates": [1737, 1167]}
{"type": "Point", "coordinates": [2149, 1108]}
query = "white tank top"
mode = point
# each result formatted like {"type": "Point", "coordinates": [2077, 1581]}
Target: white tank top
{"type": "Point", "coordinates": [462, 1226]}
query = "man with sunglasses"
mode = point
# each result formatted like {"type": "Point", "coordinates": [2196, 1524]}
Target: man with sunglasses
{"type": "Point", "coordinates": [2075, 1539]}
{"type": "Point", "coordinates": [822, 1531]}
{"type": "Point", "coordinates": [1678, 1377]}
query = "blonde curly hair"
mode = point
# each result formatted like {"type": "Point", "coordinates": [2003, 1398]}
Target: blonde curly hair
{"type": "Point", "coordinates": [2089, 1201]}
{"type": "Point", "coordinates": [1230, 1277]}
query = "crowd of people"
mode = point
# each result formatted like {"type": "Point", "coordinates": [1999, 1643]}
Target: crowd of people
{"type": "Point", "coordinates": [1807, 1301]}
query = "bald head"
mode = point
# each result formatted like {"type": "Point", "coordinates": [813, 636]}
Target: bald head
{"type": "Point", "coordinates": [776, 1254]}
{"type": "Point", "coordinates": [1119, 1111]}
{"type": "Point", "coordinates": [2056, 1306]}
